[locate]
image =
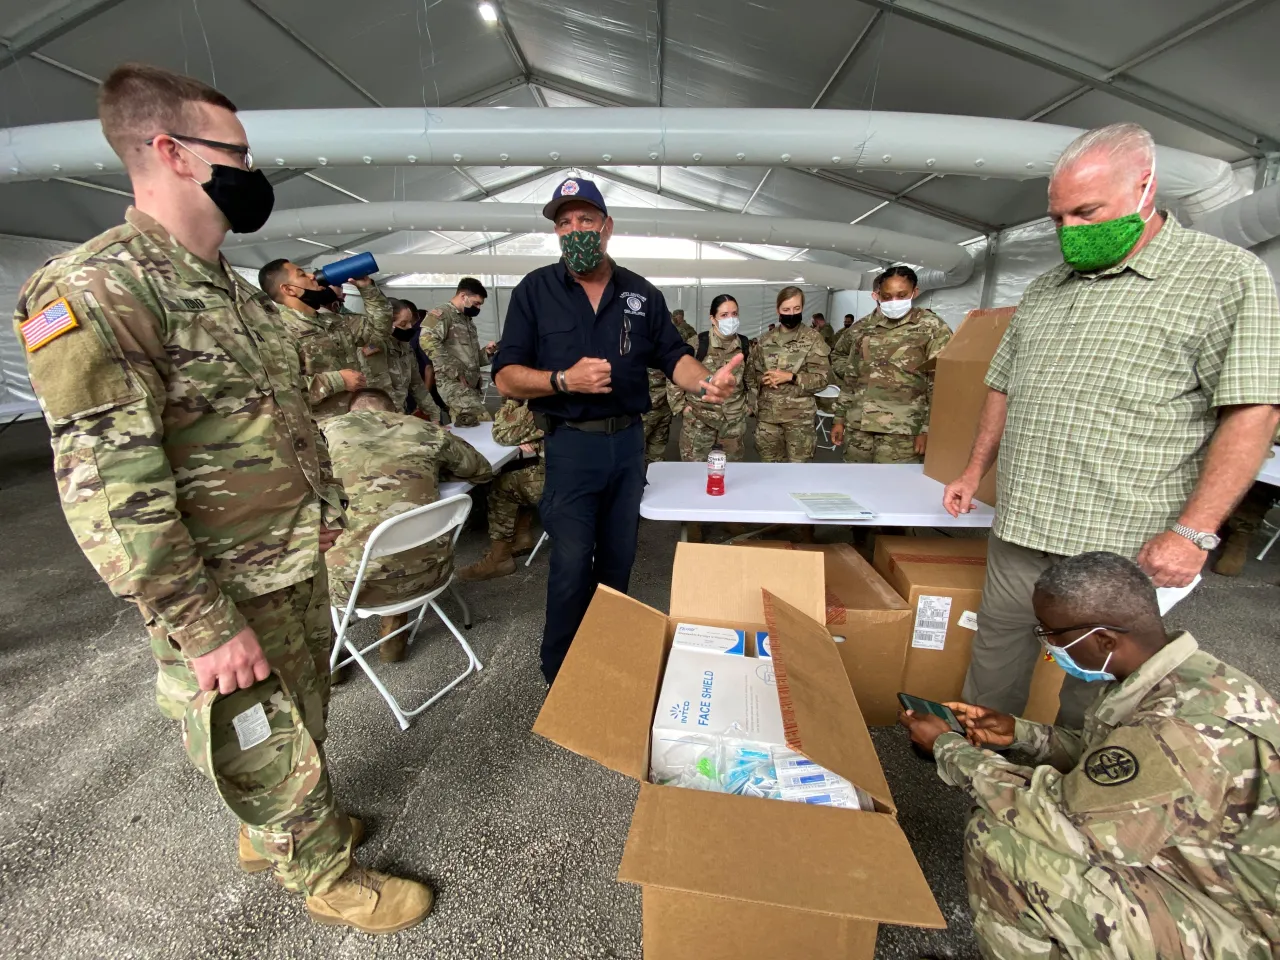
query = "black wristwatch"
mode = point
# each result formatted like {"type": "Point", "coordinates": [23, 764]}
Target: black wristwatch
{"type": "Point", "coordinates": [555, 384]}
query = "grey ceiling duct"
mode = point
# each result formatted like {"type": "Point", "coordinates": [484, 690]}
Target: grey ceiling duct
{"type": "Point", "coordinates": [946, 265]}
{"type": "Point", "coordinates": [1245, 222]}
{"type": "Point", "coordinates": [848, 140]}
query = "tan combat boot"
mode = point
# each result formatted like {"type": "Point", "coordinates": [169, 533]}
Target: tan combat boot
{"type": "Point", "coordinates": [496, 563]}
{"type": "Point", "coordinates": [250, 862]}
{"type": "Point", "coordinates": [371, 901]}
{"type": "Point", "coordinates": [524, 541]}
{"type": "Point", "coordinates": [1231, 561]}
{"type": "Point", "coordinates": [393, 650]}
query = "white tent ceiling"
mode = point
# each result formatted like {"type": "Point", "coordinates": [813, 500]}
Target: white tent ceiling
{"type": "Point", "coordinates": [1194, 71]}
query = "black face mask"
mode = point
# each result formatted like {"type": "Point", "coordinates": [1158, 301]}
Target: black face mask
{"type": "Point", "coordinates": [245, 197]}
{"type": "Point", "coordinates": [319, 299]}
{"type": "Point", "coordinates": [790, 321]}
{"type": "Point", "coordinates": [471, 311]}
{"type": "Point", "coordinates": [404, 336]}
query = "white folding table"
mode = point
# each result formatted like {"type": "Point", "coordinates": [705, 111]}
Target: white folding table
{"type": "Point", "coordinates": [760, 493]}
{"type": "Point", "coordinates": [481, 437]}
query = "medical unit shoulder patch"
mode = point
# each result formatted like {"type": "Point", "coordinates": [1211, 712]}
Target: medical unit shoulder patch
{"type": "Point", "coordinates": [51, 322]}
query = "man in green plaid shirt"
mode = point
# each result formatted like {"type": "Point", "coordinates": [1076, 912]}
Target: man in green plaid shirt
{"type": "Point", "coordinates": [1131, 403]}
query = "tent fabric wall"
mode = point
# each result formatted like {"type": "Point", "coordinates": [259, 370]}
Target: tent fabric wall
{"type": "Point", "coordinates": [19, 258]}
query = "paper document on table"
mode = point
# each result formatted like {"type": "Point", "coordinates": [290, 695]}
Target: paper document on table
{"type": "Point", "coordinates": [832, 506]}
{"type": "Point", "coordinates": [1167, 597]}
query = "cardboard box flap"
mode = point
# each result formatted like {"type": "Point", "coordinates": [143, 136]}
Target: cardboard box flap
{"type": "Point", "coordinates": [978, 336]}
{"type": "Point", "coordinates": [819, 711]}
{"type": "Point", "coordinates": [710, 582]}
{"type": "Point", "coordinates": [856, 581]}
{"type": "Point", "coordinates": [820, 859]}
{"type": "Point", "coordinates": [601, 705]}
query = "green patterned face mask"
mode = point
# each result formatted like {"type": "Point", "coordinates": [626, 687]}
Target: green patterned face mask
{"type": "Point", "coordinates": [1087, 247]}
{"type": "Point", "coordinates": [582, 250]}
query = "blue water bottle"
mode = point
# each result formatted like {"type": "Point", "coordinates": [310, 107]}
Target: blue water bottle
{"type": "Point", "coordinates": [340, 271]}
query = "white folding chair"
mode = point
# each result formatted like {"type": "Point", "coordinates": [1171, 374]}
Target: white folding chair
{"type": "Point", "coordinates": [536, 547]}
{"type": "Point", "coordinates": [825, 420]}
{"type": "Point", "coordinates": [396, 535]}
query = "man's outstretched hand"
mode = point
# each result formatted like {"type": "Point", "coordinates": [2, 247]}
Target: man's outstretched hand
{"type": "Point", "coordinates": [721, 385]}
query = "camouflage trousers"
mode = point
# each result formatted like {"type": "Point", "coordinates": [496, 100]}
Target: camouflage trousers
{"type": "Point", "coordinates": [657, 431]}
{"type": "Point", "coordinates": [388, 590]}
{"type": "Point", "coordinates": [466, 404]}
{"type": "Point", "coordinates": [277, 782]}
{"type": "Point", "coordinates": [508, 493]}
{"type": "Point", "coordinates": [863, 447]}
{"type": "Point", "coordinates": [1031, 902]}
{"type": "Point", "coordinates": [786, 442]}
{"type": "Point", "coordinates": [1248, 516]}
{"type": "Point", "coordinates": [697, 438]}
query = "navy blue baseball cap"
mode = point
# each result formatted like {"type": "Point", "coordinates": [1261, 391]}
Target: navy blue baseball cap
{"type": "Point", "coordinates": [575, 188]}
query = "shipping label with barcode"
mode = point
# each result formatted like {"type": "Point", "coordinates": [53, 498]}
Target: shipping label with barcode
{"type": "Point", "coordinates": [932, 614]}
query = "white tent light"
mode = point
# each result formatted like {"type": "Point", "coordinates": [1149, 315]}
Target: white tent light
{"type": "Point", "coordinates": [488, 12]}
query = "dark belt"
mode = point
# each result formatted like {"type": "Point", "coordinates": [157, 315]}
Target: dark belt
{"type": "Point", "coordinates": [607, 425]}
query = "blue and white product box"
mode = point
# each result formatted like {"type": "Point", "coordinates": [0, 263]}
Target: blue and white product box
{"type": "Point", "coordinates": [695, 636]}
{"type": "Point", "coordinates": [703, 696]}
{"type": "Point", "coordinates": [802, 781]}
{"type": "Point", "coordinates": [762, 646]}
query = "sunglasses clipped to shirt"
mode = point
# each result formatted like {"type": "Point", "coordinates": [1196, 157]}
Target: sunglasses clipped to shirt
{"type": "Point", "coordinates": [239, 149]}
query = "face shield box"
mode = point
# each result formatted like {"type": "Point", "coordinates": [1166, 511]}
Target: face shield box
{"type": "Point", "coordinates": [705, 694]}
{"type": "Point", "coordinates": [749, 899]}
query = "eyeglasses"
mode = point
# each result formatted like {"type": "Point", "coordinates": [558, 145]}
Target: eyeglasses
{"type": "Point", "coordinates": [239, 149]}
{"type": "Point", "coordinates": [1044, 633]}
{"type": "Point", "coordinates": [624, 344]}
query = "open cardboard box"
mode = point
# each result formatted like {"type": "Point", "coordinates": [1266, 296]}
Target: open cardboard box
{"type": "Point", "coordinates": [727, 876]}
{"type": "Point", "coordinates": [958, 393]}
{"type": "Point", "coordinates": [870, 623]}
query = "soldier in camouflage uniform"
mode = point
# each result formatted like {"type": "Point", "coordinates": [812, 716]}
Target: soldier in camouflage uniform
{"type": "Point", "coordinates": [657, 422]}
{"type": "Point", "coordinates": [193, 477]}
{"type": "Point", "coordinates": [884, 367]}
{"type": "Point", "coordinates": [518, 485]}
{"type": "Point", "coordinates": [449, 338]}
{"type": "Point", "coordinates": [393, 368]}
{"type": "Point", "coordinates": [824, 329]}
{"type": "Point", "coordinates": [706, 424]}
{"type": "Point", "coordinates": [1151, 833]}
{"type": "Point", "coordinates": [388, 463]}
{"type": "Point", "coordinates": [329, 340]}
{"type": "Point", "coordinates": [789, 367]}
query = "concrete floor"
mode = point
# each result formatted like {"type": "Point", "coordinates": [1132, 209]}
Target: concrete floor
{"type": "Point", "coordinates": [111, 845]}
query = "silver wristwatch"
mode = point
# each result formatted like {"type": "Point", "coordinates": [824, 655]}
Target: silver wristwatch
{"type": "Point", "coordinates": [1205, 541]}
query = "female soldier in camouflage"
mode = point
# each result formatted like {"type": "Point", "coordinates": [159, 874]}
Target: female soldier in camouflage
{"type": "Point", "coordinates": [788, 367]}
{"type": "Point", "coordinates": [706, 424]}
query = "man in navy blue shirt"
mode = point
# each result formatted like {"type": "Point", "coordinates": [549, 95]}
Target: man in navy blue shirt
{"type": "Point", "coordinates": [579, 338]}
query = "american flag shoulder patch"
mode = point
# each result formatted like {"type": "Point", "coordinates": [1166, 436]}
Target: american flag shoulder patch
{"type": "Point", "coordinates": [51, 322]}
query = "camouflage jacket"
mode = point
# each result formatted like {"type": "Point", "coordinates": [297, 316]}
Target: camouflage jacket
{"type": "Point", "coordinates": [1176, 771]}
{"type": "Point", "coordinates": [393, 368]}
{"type": "Point", "coordinates": [801, 351]}
{"type": "Point", "coordinates": [885, 369]}
{"type": "Point", "coordinates": [449, 337]}
{"type": "Point", "coordinates": [390, 463]}
{"type": "Point", "coordinates": [720, 351]}
{"type": "Point", "coordinates": [330, 343]}
{"type": "Point", "coordinates": [188, 463]}
{"type": "Point", "coordinates": [827, 334]}
{"type": "Point", "coordinates": [513, 425]}
{"type": "Point", "coordinates": [658, 383]}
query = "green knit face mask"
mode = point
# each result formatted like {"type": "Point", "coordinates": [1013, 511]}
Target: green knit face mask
{"type": "Point", "coordinates": [1087, 247]}
{"type": "Point", "coordinates": [582, 250]}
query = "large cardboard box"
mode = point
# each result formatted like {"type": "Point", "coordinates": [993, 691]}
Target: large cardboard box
{"type": "Point", "coordinates": [958, 393]}
{"type": "Point", "coordinates": [870, 623]}
{"type": "Point", "coordinates": [941, 578]}
{"type": "Point", "coordinates": [728, 876]}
